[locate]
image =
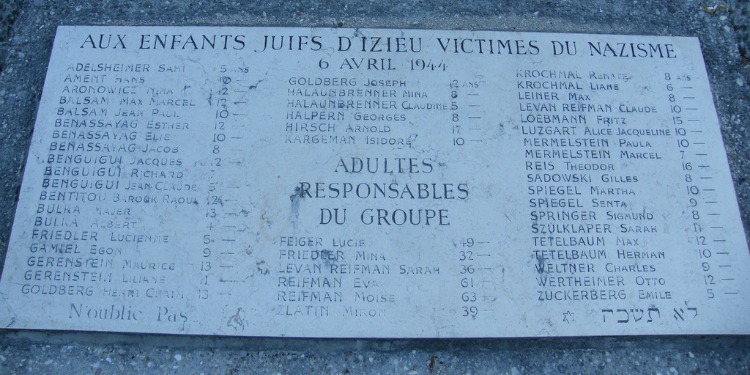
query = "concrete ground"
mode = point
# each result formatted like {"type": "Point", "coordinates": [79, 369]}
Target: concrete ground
{"type": "Point", "coordinates": [26, 32]}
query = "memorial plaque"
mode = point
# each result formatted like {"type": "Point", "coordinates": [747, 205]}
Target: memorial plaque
{"type": "Point", "coordinates": [376, 183]}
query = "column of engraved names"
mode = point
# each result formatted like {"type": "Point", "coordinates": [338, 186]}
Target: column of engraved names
{"type": "Point", "coordinates": [64, 258]}
{"type": "Point", "coordinates": [312, 117]}
{"type": "Point", "coordinates": [156, 181]}
{"type": "Point", "coordinates": [623, 196]}
{"type": "Point", "coordinates": [372, 113]}
{"type": "Point", "coordinates": [566, 153]}
{"type": "Point", "coordinates": [99, 156]}
{"type": "Point", "coordinates": [336, 111]}
{"type": "Point", "coordinates": [612, 209]}
{"type": "Point", "coordinates": [316, 114]}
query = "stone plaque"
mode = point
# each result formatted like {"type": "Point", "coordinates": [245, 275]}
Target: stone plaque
{"type": "Point", "coordinates": [376, 183]}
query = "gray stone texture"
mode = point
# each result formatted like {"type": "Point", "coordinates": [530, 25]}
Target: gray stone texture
{"type": "Point", "coordinates": [26, 33]}
{"type": "Point", "coordinates": [740, 16]}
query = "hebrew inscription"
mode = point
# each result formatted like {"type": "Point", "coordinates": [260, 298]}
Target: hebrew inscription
{"type": "Point", "coordinates": [376, 183]}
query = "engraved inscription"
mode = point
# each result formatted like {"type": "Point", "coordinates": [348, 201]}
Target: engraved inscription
{"type": "Point", "coordinates": [376, 183]}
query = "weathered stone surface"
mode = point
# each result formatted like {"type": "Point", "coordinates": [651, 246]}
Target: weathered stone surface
{"type": "Point", "coordinates": [376, 183]}
{"type": "Point", "coordinates": [55, 352]}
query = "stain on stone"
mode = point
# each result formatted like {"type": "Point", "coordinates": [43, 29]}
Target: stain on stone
{"type": "Point", "coordinates": [255, 86]}
{"type": "Point", "coordinates": [431, 365]}
{"type": "Point", "coordinates": [261, 267]}
{"type": "Point", "coordinates": [237, 321]}
{"type": "Point", "coordinates": [295, 198]}
{"type": "Point", "coordinates": [297, 194]}
{"type": "Point", "coordinates": [540, 263]}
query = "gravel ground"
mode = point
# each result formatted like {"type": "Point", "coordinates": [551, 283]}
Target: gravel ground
{"type": "Point", "coordinates": [26, 34]}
